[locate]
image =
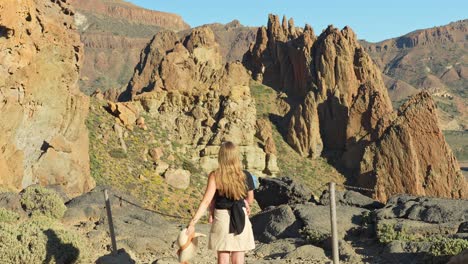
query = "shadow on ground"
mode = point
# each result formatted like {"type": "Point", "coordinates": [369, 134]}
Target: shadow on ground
{"type": "Point", "coordinates": [59, 252]}
{"type": "Point", "coordinates": [121, 257]}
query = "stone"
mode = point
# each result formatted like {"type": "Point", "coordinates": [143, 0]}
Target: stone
{"type": "Point", "coordinates": [429, 210]}
{"type": "Point", "coordinates": [423, 216]}
{"type": "Point", "coordinates": [286, 190]}
{"type": "Point", "coordinates": [351, 198]}
{"type": "Point", "coordinates": [140, 122]}
{"type": "Point", "coordinates": [307, 252]}
{"type": "Point", "coordinates": [161, 167]}
{"type": "Point", "coordinates": [460, 258]}
{"type": "Point", "coordinates": [40, 99]}
{"type": "Point", "coordinates": [278, 248]}
{"type": "Point", "coordinates": [274, 224]}
{"type": "Point", "coordinates": [125, 112]}
{"type": "Point", "coordinates": [156, 154]}
{"type": "Point", "coordinates": [316, 219]}
{"type": "Point", "coordinates": [177, 178]}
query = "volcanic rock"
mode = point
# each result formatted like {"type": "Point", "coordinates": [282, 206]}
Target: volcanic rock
{"type": "Point", "coordinates": [186, 88]}
{"type": "Point", "coordinates": [40, 103]}
{"type": "Point", "coordinates": [177, 178]}
{"type": "Point", "coordinates": [285, 189]}
{"type": "Point", "coordinates": [340, 91]}
{"type": "Point", "coordinates": [412, 156]}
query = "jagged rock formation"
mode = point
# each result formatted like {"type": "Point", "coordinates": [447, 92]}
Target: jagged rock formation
{"type": "Point", "coordinates": [412, 156]}
{"type": "Point", "coordinates": [186, 87]}
{"type": "Point", "coordinates": [113, 33]}
{"type": "Point", "coordinates": [336, 92]}
{"type": "Point", "coordinates": [42, 112]}
{"type": "Point", "coordinates": [421, 60]}
{"type": "Point", "coordinates": [340, 105]}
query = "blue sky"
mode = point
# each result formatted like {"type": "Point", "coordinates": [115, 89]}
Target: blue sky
{"type": "Point", "coordinates": [372, 20]}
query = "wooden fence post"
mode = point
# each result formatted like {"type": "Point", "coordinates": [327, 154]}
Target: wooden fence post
{"type": "Point", "coordinates": [111, 224]}
{"type": "Point", "coordinates": [334, 230]}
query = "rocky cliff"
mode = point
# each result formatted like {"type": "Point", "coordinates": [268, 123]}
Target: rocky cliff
{"type": "Point", "coordinates": [131, 13]}
{"type": "Point", "coordinates": [412, 156]}
{"type": "Point", "coordinates": [340, 108]}
{"type": "Point", "coordinates": [113, 33]}
{"type": "Point", "coordinates": [335, 91]}
{"type": "Point", "coordinates": [44, 139]}
{"type": "Point", "coordinates": [421, 60]}
{"type": "Point", "coordinates": [185, 85]}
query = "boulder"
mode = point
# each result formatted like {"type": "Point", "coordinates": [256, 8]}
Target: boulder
{"type": "Point", "coordinates": [156, 154]}
{"type": "Point", "coordinates": [285, 189]}
{"type": "Point", "coordinates": [307, 252]}
{"type": "Point", "coordinates": [127, 113]}
{"type": "Point", "coordinates": [425, 209]}
{"type": "Point", "coordinates": [278, 248]}
{"type": "Point", "coordinates": [177, 178]}
{"type": "Point", "coordinates": [423, 216]}
{"type": "Point", "coordinates": [460, 258]}
{"type": "Point", "coordinates": [161, 167]}
{"type": "Point", "coordinates": [316, 219]}
{"type": "Point", "coordinates": [279, 222]}
{"type": "Point", "coordinates": [351, 198]}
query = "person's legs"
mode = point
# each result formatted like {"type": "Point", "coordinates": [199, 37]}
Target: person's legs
{"type": "Point", "coordinates": [223, 257]}
{"type": "Point", "coordinates": [237, 257]}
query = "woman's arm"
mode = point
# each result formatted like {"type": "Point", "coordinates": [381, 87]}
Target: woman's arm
{"type": "Point", "coordinates": [250, 197]}
{"type": "Point", "coordinates": [248, 201]}
{"type": "Point", "coordinates": [209, 194]}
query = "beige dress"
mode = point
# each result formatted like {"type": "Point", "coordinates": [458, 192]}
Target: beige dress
{"type": "Point", "coordinates": [221, 240]}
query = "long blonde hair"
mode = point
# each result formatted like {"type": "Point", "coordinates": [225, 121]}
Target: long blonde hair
{"type": "Point", "coordinates": [229, 177]}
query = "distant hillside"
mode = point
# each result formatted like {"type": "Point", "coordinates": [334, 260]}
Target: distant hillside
{"type": "Point", "coordinates": [233, 38]}
{"type": "Point", "coordinates": [114, 32]}
{"type": "Point", "coordinates": [433, 59]}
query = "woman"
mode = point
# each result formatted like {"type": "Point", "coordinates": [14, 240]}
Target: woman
{"type": "Point", "coordinates": [232, 191]}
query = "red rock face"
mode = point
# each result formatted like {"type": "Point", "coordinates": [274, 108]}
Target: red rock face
{"type": "Point", "coordinates": [340, 104]}
{"type": "Point", "coordinates": [127, 11]}
{"type": "Point", "coordinates": [44, 139]}
{"type": "Point", "coordinates": [348, 92]}
{"type": "Point", "coordinates": [412, 156]}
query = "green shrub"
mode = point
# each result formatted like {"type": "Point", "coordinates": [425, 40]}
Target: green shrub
{"type": "Point", "coordinates": [41, 240]}
{"type": "Point", "coordinates": [7, 216]}
{"type": "Point", "coordinates": [388, 233]}
{"type": "Point", "coordinates": [38, 200]}
{"type": "Point", "coordinates": [118, 153]}
{"type": "Point", "coordinates": [313, 236]}
{"type": "Point", "coordinates": [443, 246]}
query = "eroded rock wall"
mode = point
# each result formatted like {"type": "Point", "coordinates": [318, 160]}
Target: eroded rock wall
{"type": "Point", "coordinates": [185, 85]}
{"type": "Point", "coordinates": [44, 139]}
{"type": "Point", "coordinates": [340, 107]}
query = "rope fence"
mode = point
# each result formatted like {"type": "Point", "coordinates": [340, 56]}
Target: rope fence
{"type": "Point", "coordinates": [149, 210]}
{"type": "Point", "coordinates": [333, 216]}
